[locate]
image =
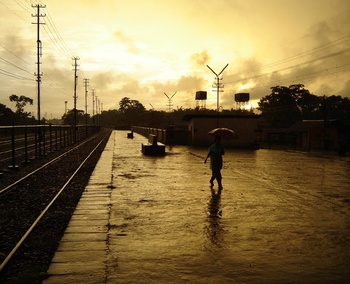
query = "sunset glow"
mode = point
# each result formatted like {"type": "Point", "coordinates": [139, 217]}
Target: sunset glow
{"type": "Point", "coordinates": [141, 49]}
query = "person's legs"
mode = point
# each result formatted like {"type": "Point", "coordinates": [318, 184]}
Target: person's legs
{"type": "Point", "coordinates": [216, 174]}
{"type": "Point", "coordinates": [219, 179]}
{"type": "Point", "coordinates": [212, 179]}
{"type": "Point", "coordinates": [219, 183]}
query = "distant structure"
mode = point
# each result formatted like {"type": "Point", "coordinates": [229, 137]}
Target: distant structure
{"type": "Point", "coordinates": [201, 98]}
{"type": "Point", "coordinates": [241, 100]}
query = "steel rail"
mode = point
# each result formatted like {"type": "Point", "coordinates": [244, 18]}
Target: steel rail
{"type": "Point", "coordinates": [24, 237]}
{"type": "Point", "coordinates": [7, 188]}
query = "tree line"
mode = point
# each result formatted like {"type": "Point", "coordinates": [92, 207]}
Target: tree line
{"type": "Point", "coordinates": [286, 105]}
{"type": "Point", "coordinates": [281, 108]}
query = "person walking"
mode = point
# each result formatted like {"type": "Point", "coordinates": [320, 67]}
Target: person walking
{"type": "Point", "coordinates": [215, 153]}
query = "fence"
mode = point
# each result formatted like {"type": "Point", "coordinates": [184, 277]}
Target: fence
{"type": "Point", "coordinates": [145, 131]}
{"type": "Point", "coordinates": [25, 142]}
{"type": "Point", "coordinates": [169, 136]}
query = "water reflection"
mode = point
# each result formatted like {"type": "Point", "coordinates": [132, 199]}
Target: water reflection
{"type": "Point", "coordinates": [214, 228]}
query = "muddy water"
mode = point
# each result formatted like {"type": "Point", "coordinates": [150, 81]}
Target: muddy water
{"type": "Point", "coordinates": [282, 217]}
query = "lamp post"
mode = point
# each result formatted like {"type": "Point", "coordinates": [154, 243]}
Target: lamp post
{"type": "Point", "coordinates": [217, 91]}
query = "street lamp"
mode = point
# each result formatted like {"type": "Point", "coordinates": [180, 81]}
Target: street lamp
{"type": "Point", "coordinates": [217, 91]}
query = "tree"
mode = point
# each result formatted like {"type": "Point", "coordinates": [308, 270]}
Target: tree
{"type": "Point", "coordinates": [286, 105]}
{"type": "Point", "coordinates": [7, 116]}
{"type": "Point", "coordinates": [68, 118]}
{"type": "Point", "coordinates": [127, 104]}
{"type": "Point", "coordinates": [280, 107]}
{"type": "Point", "coordinates": [131, 111]}
{"type": "Point", "coordinates": [336, 107]}
{"type": "Point", "coordinates": [109, 118]}
{"type": "Point", "coordinates": [21, 102]}
{"type": "Point", "coordinates": [310, 106]}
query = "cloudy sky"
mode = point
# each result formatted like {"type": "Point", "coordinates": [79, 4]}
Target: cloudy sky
{"type": "Point", "coordinates": [142, 49]}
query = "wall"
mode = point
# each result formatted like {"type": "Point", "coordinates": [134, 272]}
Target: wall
{"type": "Point", "coordinates": [245, 126]}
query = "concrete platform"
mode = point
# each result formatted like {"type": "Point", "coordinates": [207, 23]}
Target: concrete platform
{"type": "Point", "coordinates": [282, 217]}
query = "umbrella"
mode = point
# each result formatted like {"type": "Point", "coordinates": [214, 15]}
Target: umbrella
{"type": "Point", "coordinates": [225, 133]}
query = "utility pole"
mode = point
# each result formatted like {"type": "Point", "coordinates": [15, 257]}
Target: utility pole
{"type": "Point", "coordinates": [325, 124]}
{"type": "Point", "coordinates": [93, 106]}
{"type": "Point", "coordinates": [101, 111]}
{"type": "Point", "coordinates": [169, 102]}
{"type": "Point", "coordinates": [65, 107]}
{"type": "Point", "coordinates": [218, 87]}
{"type": "Point", "coordinates": [39, 51]}
{"type": "Point", "coordinates": [86, 82]}
{"type": "Point", "coordinates": [75, 95]}
{"type": "Point", "coordinates": [96, 109]}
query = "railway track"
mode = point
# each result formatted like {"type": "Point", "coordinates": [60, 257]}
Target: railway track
{"type": "Point", "coordinates": [21, 144]}
{"type": "Point", "coordinates": [36, 205]}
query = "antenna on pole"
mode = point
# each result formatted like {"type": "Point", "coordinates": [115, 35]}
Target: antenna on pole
{"type": "Point", "coordinates": [169, 103]}
{"type": "Point", "coordinates": [218, 87]}
{"type": "Point", "coordinates": [169, 100]}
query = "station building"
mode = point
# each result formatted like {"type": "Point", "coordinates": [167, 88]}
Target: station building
{"type": "Point", "coordinates": [246, 127]}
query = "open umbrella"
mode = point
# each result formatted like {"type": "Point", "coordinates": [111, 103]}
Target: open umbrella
{"type": "Point", "coordinates": [225, 133]}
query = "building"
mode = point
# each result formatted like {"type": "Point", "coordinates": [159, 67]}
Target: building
{"type": "Point", "coordinates": [330, 135]}
{"type": "Point", "coordinates": [246, 126]}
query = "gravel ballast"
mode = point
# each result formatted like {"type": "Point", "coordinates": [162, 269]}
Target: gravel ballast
{"type": "Point", "coordinates": [20, 207]}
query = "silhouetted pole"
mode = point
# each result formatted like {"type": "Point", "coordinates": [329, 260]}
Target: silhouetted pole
{"type": "Point", "coordinates": [86, 82]}
{"type": "Point", "coordinates": [324, 105]}
{"type": "Point", "coordinates": [96, 110]}
{"type": "Point", "coordinates": [75, 95]}
{"type": "Point", "coordinates": [101, 111]}
{"type": "Point", "coordinates": [93, 106]}
{"type": "Point", "coordinates": [39, 52]}
{"type": "Point", "coordinates": [218, 86]}
{"type": "Point", "coordinates": [169, 102]}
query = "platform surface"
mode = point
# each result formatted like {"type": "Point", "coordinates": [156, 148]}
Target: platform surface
{"type": "Point", "coordinates": [282, 217]}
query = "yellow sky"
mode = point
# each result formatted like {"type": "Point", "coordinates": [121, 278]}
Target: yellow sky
{"type": "Point", "coordinates": [143, 48]}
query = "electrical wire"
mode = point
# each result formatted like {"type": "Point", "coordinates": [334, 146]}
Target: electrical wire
{"type": "Point", "coordinates": [293, 66]}
{"type": "Point", "coordinates": [58, 44]}
{"type": "Point", "coordinates": [10, 74]}
{"type": "Point", "coordinates": [14, 65]}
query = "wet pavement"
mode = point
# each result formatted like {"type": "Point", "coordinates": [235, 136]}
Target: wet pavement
{"type": "Point", "coordinates": [282, 217]}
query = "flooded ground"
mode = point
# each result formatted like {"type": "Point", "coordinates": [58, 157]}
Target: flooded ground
{"type": "Point", "coordinates": [282, 217]}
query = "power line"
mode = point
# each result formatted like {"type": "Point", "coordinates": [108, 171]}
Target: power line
{"type": "Point", "coordinates": [293, 66]}
{"type": "Point", "coordinates": [56, 38]}
{"type": "Point", "coordinates": [26, 62]}
{"type": "Point", "coordinates": [309, 76]}
{"type": "Point", "coordinates": [336, 42]}
{"type": "Point", "coordinates": [317, 74]}
{"type": "Point", "coordinates": [58, 86]}
{"type": "Point", "coordinates": [10, 74]}
{"type": "Point", "coordinates": [14, 65]}
{"type": "Point", "coordinates": [23, 6]}
{"type": "Point", "coordinates": [12, 11]}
